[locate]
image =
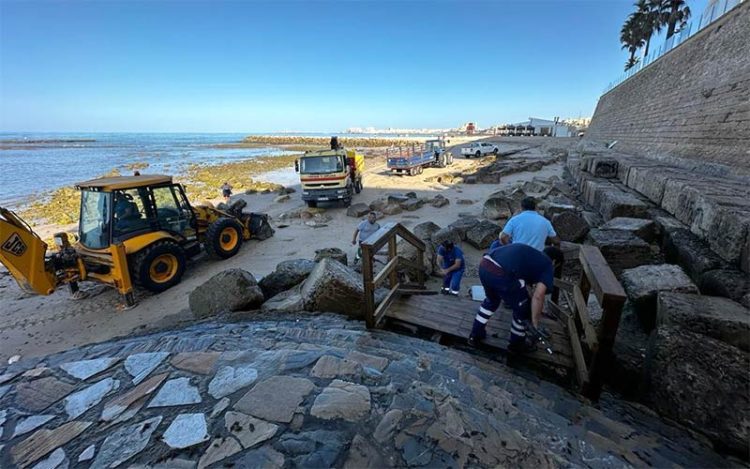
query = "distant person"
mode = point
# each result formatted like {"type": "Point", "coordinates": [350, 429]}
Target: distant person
{"type": "Point", "coordinates": [365, 229]}
{"type": "Point", "coordinates": [136, 173]}
{"type": "Point", "coordinates": [529, 227]}
{"type": "Point", "coordinates": [226, 191]}
{"type": "Point", "coordinates": [504, 274]}
{"type": "Point", "coordinates": [335, 143]}
{"type": "Point", "coordinates": [450, 258]}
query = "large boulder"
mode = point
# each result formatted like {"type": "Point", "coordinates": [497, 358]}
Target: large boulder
{"type": "Point", "coordinates": [358, 210]}
{"type": "Point", "coordinates": [289, 301]}
{"type": "Point", "coordinates": [570, 226]}
{"type": "Point", "coordinates": [334, 287]}
{"type": "Point", "coordinates": [412, 204]}
{"type": "Point", "coordinates": [462, 226]}
{"type": "Point", "coordinates": [424, 231]}
{"type": "Point", "coordinates": [702, 383]}
{"type": "Point", "coordinates": [496, 208]}
{"type": "Point", "coordinates": [720, 318]}
{"type": "Point", "coordinates": [260, 226]}
{"type": "Point", "coordinates": [332, 253]}
{"type": "Point", "coordinates": [439, 201]}
{"type": "Point", "coordinates": [641, 227]}
{"type": "Point", "coordinates": [729, 283]}
{"type": "Point", "coordinates": [378, 205]}
{"type": "Point", "coordinates": [396, 199]}
{"type": "Point", "coordinates": [230, 290]}
{"type": "Point", "coordinates": [450, 233]}
{"type": "Point", "coordinates": [686, 249]}
{"type": "Point", "coordinates": [287, 275]}
{"type": "Point", "coordinates": [613, 203]}
{"type": "Point", "coordinates": [622, 249]}
{"type": "Point", "coordinates": [643, 284]}
{"type": "Point", "coordinates": [483, 234]}
{"type": "Point", "coordinates": [392, 209]}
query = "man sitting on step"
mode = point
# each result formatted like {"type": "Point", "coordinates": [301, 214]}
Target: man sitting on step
{"type": "Point", "coordinates": [504, 273]}
{"type": "Point", "coordinates": [450, 258]}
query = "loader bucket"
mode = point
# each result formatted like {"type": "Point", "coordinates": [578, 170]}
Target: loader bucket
{"type": "Point", "coordinates": [22, 252]}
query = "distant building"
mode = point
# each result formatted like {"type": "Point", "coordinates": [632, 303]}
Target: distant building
{"type": "Point", "coordinates": [470, 128]}
{"type": "Point", "coordinates": [537, 127]}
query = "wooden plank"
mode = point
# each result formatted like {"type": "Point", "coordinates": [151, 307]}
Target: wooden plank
{"type": "Point", "coordinates": [383, 306]}
{"type": "Point", "coordinates": [392, 256]}
{"type": "Point", "coordinates": [589, 333]}
{"type": "Point", "coordinates": [416, 291]}
{"type": "Point", "coordinates": [563, 285]}
{"type": "Point", "coordinates": [390, 268]}
{"type": "Point", "coordinates": [600, 275]}
{"type": "Point", "coordinates": [369, 290]}
{"type": "Point", "coordinates": [557, 311]}
{"type": "Point", "coordinates": [582, 373]}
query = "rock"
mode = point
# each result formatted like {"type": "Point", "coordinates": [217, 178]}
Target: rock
{"type": "Point", "coordinates": [219, 450]}
{"type": "Point", "coordinates": [56, 460]}
{"type": "Point", "coordinates": [439, 201]}
{"type": "Point", "coordinates": [125, 443]}
{"type": "Point", "coordinates": [202, 363]}
{"type": "Point", "coordinates": [616, 203]}
{"type": "Point", "coordinates": [334, 287]}
{"type": "Point", "coordinates": [342, 399]}
{"type": "Point", "coordinates": [378, 205]}
{"type": "Point", "coordinates": [30, 423]}
{"type": "Point", "coordinates": [276, 398]}
{"type": "Point", "coordinates": [282, 198]}
{"type": "Point", "coordinates": [140, 365]}
{"type": "Point", "coordinates": [39, 394]}
{"type": "Point", "coordinates": [470, 179]}
{"type": "Point", "coordinates": [452, 233]}
{"type": "Point", "coordinates": [643, 284]}
{"type": "Point", "coordinates": [371, 361]}
{"type": "Point", "coordinates": [720, 318]}
{"type": "Point", "coordinates": [497, 208]}
{"type": "Point", "coordinates": [176, 392]}
{"type": "Point", "coordinates": [329, 366]}
{"type": "Point", "coordinates": [701, 383]}
{"type": "Point", "coordinates": [264, 457]}
{"type": "Point", "coordinates": [483, 234]}
{"type": "Point", "coordinates": [44, 441]}
{"type": "Point", "coordinates": [551, 209]}
{"type": "Point", "coordinates": [570, 226]}
{"type": "Point", "coordinates": [289, 301]}
{"type": "Point", "coordinates": [186, 430]}
{"type": "Point", "coordinates": [230, 379]}
{"type": "Point", "coordinates": [424, 231]}
{"type": "Point", "coordinates": [464, 202]}
{"type": "Point", "coordinates": [412, 204]}
{"type": "Point", "coordinates": [85, 369]}
{"type": "Point", "coordinates": [87, 454]}
{"type": "Point", "coordinates": [621, 249]}
{"type": "Point", "coordinates": [392, 209]}
{"type": "Point", "coordinates": [249, 430]}
{"type": "Point", "coordinates": [287, 274]}
{"type": "Point", "coordinates": [79, 402]}
{"type": "Point", "coordinates": [220, 407]}
{"type": "Point", "coordinates": [388, 425]}
{"type": "Point", "coordinates": [602, 166]}
{"type": "Point", "coordinates": [686, 249]}
{"type": "Point", "coordinates": [260, 228]}
{"type": "Point", "coordinates": [411, 195]}
{"type": "Point", "coordinates": [644, 229]}
{"type": "Point", "coordinates": [230, 290]}
{"type": "Point", "coordinates": [729, 283]}
{"type": "Point", "coordinates": [397, 199]}
{"type": "Point", "coordinates": [358, 210]}
{"type": "Point", "coordinates": [362, 455]}
{"type": "Point", "coordinates": [120, 404]}
{"type": "Point", "coordinates": [332, 253]}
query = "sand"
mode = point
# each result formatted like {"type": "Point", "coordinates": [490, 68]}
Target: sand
{"type": "Point", "coordinates": [39, 325]}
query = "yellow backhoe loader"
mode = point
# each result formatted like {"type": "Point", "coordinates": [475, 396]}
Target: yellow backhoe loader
{"type": "Point", "coordinates": [132, 230]}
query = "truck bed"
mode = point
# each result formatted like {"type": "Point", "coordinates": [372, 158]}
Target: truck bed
{"type": "Point", "coordinates": [412, 161]}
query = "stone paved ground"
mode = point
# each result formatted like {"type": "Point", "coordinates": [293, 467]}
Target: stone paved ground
{"type": "Point", "coordinates": [311, 392]}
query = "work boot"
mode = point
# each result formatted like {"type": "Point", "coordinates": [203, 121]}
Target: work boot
{"type": "Point", "coordinates": [478, 333]}
{"type": "Point", "coordinates": [445, 291]}
{"type": "Point", "coordinates": [452, 293]}
{"type": "Point", "coordinates": [521, 347]}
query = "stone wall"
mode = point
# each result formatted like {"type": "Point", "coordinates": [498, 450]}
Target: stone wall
{"type": "Point", "coordinates": [692, 104]}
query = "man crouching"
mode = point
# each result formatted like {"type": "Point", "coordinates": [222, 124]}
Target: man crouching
{"type": "Point", "coordinates": [504, 273]}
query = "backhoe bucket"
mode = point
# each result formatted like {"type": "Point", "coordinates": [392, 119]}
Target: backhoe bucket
{"type": "Point", "coordinates": [22, 252]}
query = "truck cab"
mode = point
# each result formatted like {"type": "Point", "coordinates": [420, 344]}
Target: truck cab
{"type": "Point", "coordinates": [330, 175]}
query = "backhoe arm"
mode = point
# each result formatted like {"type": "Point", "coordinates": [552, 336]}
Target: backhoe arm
{"type": "Point", "coordinates": [22, 252]}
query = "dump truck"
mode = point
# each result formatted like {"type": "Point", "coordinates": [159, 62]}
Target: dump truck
{"type": "Point", "coordinates": [413, 159]}
{"type": "Point", "coordinates": [133, 230]}
{"type": "Point", "coordinates": [330, 175]}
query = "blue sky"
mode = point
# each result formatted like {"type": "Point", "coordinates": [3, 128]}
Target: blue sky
{"type": "Point", "coordinates": [244, 66]}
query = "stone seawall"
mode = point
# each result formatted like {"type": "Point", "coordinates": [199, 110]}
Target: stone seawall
{"type": "Point", "coordinates": [692, 104]}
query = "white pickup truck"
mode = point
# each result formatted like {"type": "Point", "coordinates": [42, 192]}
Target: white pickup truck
{"type": "Point", "coordinates": [480, 149]}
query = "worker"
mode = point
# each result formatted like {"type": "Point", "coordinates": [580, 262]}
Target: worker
{"type": "Point", "coordinates": [504, 273]}
{"type": "Point", "coordinates": [529, 227]}
{"type": "Point", "coordinates": [450, 258]}
{"type": "Point", "coordinates": [365, 229]}
{"type": "Point", "coordinates": [335, 143]}
{"type": "Point", "coordinates": [226, 191]}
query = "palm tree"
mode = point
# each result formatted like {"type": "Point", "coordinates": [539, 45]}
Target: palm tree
{"type": "Point", "coordinates": [632, 39]}
{"type": "Point", "coordinates": [676, 11]}
{"type": "Point", "coordinates": [649, 16]}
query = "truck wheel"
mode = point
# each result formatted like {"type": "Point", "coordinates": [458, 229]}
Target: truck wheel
{"type": "Point", "coordinates": [412, 172]}
{"type": "Point", "coordinates": [358, 186]}
{"type": "Point", "coordinates": [420, 170]}
{"type": "Point", "coordinates": [159, 266]}
{"type": "Point", "coordinates": [312, 203]}
{"type": "Point", "coordinates": [450, 159]}
{"type": "Point", "coordinates": [443, 160]}
{"type": "Point", "coordinates": [478, 154]}
{"type": "Point", "coordinates": [347, 201]}
{"type": "Point", "coordinates": [495, 152]}
{"type": "Point", "coordinates": [223, 238]}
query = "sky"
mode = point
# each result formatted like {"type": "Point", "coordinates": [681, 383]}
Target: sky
{"type": "Point", "coordinates": [244, 66]}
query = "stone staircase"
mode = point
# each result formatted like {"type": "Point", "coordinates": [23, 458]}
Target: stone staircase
{"type": "Point", "coordinates": [313, 391]}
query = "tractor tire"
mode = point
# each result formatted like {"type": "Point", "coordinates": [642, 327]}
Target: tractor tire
{"type": "Point", "coordinates": [420, 170]}
{"type": "Point", "coordinates": [223, 238]}
{"type": "Point", "coordinates": [478, 154]}
{"type": "Point", "coordinates": [442, 160]}
{"type": "Point", "coordinates": [449, 160]}
{"type": "Point", "coordinates": [495, 151]}
{"type": "Point", "coordinates": [312, 203]}
{"type": "Point", "coordinates": [159, 266]}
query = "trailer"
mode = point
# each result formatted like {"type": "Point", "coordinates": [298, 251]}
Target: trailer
{"type": "Point", "coordinates": [413, 159]}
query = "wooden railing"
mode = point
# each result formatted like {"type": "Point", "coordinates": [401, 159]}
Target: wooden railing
{"type": "Point", "coordinates": [592, 348]}
{"type": "Point", "coordinates": [387, 235]}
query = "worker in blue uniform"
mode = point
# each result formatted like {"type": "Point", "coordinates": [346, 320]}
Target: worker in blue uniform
{"type": "Point", "coordinates": [504, 273]}
{"type": "Point", "coordinates": [450, 258]}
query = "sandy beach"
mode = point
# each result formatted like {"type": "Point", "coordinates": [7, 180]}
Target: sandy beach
{"type": "Point", "coordinates": [39, 325]}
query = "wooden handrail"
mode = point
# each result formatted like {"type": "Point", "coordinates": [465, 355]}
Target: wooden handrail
{"type": "Point", "coordinates": [387, 235]}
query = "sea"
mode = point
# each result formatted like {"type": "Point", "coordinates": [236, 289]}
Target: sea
{"type": "Point", "coordinates": [33, 164]}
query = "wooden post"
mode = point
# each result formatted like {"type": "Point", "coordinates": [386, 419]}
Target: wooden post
{"type": "Point", "coordinates": [556, 289]}
{"type": "Point", "coordinates": [392, 253]}
{"type": "Point", "coordinates": [368, 286]}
